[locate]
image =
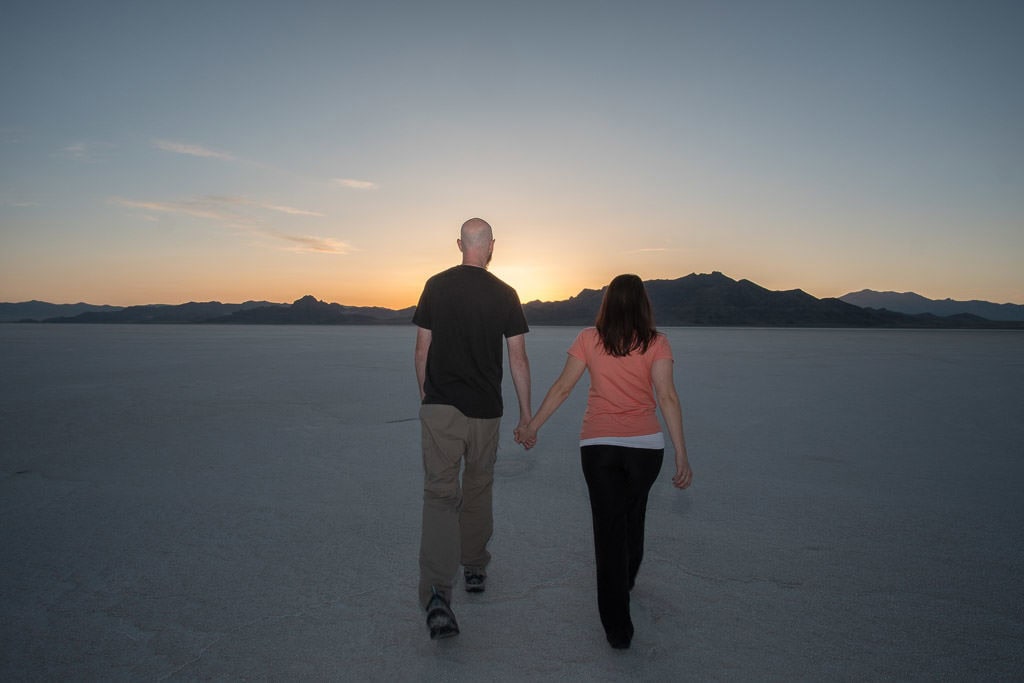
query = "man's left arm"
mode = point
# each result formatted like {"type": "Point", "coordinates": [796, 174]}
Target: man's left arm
{"type": "Point", "coordinates": [519, 367]}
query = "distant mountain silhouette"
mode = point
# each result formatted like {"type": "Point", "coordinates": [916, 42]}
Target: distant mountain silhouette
{"type": "Point", "coordinates": [719, 300]}
{"type": "Point", "coordinates": [41, 310]}
{"type": "Point", "coordinates": [192, 312]}
{"type": "Point", "coordinates": [305, 311]}
{"type": "Point", "coordinates": [311, 311]}
{"type": "Point", "coordinates": [909, 302]}
{"type": "Point", "coordinates": [706, 299]}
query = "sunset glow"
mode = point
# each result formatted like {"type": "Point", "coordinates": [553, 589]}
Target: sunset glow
{"type": "Point", "coordinates": [197, 152]}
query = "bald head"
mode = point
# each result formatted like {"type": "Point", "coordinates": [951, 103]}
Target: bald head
{"type": "Point", "coordinates": [476, 242]}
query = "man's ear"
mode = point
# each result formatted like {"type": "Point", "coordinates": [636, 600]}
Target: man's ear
{"type": "Point", "coordinates": [458, 242]}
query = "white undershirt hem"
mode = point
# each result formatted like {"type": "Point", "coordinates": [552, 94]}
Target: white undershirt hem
{"type": "Point", "coordinates": [651, 441]}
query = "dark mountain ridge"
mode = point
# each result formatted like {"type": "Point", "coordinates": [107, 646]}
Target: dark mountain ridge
{"type": "Point", "coordinates": [311, 311]}
{"type": "Point", "coordinates": [25, 311]}
{"type": "Point", "coordinates": [305, 311]}
{"type": "Point", "coordinates": [192, 312]}
{"type": "Point", "coordinates": [914, 304]}
{"type": "Point", "coordinates": [694, 300]}
{"type": "Point", "coordinates": [717, 300]}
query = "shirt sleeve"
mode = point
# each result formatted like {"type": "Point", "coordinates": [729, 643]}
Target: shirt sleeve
{"type": "Point", "coordinates": [421, 316]}
{"type": "Point", "coordinates": [661, 348]}
{"type": "Point", "coordinates": [516, 324]}
{"type": "Point", "coordinates": [578, 349]}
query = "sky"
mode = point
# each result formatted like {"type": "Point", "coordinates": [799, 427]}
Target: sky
{"type": "Point", "coordinates": [234, 151]}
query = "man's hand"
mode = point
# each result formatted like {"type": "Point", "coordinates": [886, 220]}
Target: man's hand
{"type": "Point", "coordinates": [525, 436]}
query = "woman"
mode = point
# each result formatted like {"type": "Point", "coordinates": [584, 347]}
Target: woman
{"type": "Point", "coordinates": [621, 444]}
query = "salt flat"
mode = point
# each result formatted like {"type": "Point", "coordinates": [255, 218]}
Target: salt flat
{"type": "Point", "coordinates": [213, 502]}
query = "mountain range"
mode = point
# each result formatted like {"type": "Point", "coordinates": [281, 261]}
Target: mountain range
{"type": "Point", "coordinates": [915, 304]}
{"type": "Point", "coordinates": [696, 299]}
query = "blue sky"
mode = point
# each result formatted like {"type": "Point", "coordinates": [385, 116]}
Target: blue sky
{"type": "Point", "coordinates": [167, 152]}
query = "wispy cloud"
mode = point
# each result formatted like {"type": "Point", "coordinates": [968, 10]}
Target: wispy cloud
{"type": "Point", "coordinates": [12, 135]}
{"type": "Point", "coordinates": [76, 151]}
{"type": "Point", "coordinates": [245, 201]}
{"type": "Point", "coordinates": [241, 213]}
{"type": "Point", "coordinates": [319, 245]}
{"type": "Point", "coordinates": [198, 208]}
{"type": "Point", "coordinates": [84, 151]}
{"type": "Point", "coordinates": [354, 184]}
{"type": "Point", "coordinates": [192, 150]}
{"type": "Point", "coordinates": [290, 210]}
{"type": "Point", "coordinates": [204, 152]}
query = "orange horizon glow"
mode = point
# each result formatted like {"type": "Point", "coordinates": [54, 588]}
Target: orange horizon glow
{"type": "Point", "coordinates": [359, 281]}
{"type": "Point", "coordinates": [530, 282]}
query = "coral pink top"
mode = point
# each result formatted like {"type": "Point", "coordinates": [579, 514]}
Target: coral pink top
{"type": "Point", "coordinates": [621, 399]}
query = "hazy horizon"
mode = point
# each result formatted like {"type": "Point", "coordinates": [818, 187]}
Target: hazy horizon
{"type": "Point", "coordinates": [413, 304]}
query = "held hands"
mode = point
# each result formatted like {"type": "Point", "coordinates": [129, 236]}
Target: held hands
{"type": "Point", "coordinates": [525, 436]}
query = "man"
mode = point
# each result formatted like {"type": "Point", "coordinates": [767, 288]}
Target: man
{"type": "Point", "coordinates": [462, 316]}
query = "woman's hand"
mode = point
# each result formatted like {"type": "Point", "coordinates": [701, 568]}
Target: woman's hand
{"type": "Point", "coordinates": [526, 436]}
{"type": "Point", "coordinates": [684, 475]}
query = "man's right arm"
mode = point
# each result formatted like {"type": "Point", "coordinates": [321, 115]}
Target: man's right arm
{"type": "Point", "coordinates": [423, 337]}
{"type": "Point", "coordinates": [519, 367]}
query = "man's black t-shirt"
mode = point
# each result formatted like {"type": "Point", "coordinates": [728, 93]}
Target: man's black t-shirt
{"type": "Point", "coordinates": [468, 311]}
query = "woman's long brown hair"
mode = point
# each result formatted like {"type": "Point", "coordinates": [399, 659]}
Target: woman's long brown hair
{"type": "Point", "coordinates": [625, 322]}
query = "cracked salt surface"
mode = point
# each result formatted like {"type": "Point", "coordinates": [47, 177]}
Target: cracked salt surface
{"type": "Point", "coordinates": [205, 502]}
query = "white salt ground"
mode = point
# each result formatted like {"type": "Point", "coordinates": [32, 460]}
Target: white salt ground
{"type": "Point", "coordinates": [205, 502]}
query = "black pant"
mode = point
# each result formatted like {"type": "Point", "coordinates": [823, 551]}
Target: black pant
{"type": "Point", "coordinates": [619, 480]}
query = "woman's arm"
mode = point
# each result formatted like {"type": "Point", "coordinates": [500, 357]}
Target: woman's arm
{"type": "Point", "coordinates": [559, 391]}
{"type": "Point", "coordinates": [668, 401]}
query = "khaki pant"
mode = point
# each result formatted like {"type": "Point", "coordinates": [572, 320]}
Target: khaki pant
{"type": "Point", "coordinates": [457, 514]}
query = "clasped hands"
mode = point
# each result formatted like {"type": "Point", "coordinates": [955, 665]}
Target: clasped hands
{"type": "Point", "coordinates": [525, 436]}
